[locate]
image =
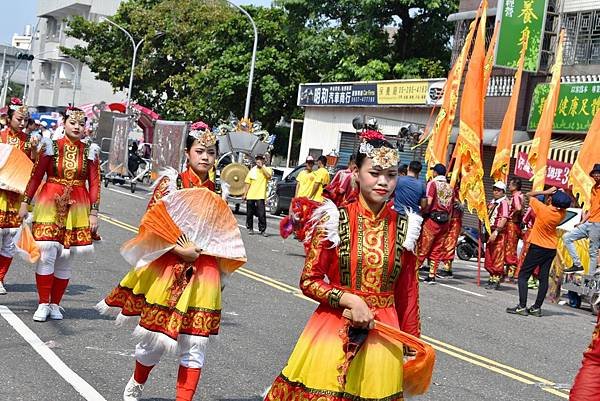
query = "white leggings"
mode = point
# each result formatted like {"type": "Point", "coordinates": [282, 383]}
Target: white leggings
{"type": "Point", "coordinates": [8, 248]}
{"type": "Point", "coordinates": [51, 261]}
{"type": "Point", "coordinates": [191, 350]}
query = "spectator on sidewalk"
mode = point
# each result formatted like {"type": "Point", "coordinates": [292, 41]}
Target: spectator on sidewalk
{"type": "Point", "coordinates": [255, 194]}
{"type": "Point", "coordinates": [589, 227]}
{"type": "Point", "coordinates": [542, 249]}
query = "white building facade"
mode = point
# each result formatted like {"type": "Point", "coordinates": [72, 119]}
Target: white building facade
{"type": "Point", "coordinates": [57, 80]}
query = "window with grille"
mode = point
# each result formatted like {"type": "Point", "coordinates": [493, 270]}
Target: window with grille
{"type": "Point", "coordinates": [582, 42]}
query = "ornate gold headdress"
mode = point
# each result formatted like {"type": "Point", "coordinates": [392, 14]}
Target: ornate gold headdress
{"type": "Point", "coordinates": [76, 114]}
{"type": "Point", "coordinates": [17, 105]}
{"type": "Point", "coordinates": [201, 132]}
{"type": "Point", "coordinates": [383, 156]}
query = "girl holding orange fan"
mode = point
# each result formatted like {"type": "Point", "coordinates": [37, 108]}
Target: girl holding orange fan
{"type": "Point", "coordinates": [355, 345]}
{"type": "Point", "coordinates": [16, 152]}
{"type": "Point", "coordinates": [187, 239]}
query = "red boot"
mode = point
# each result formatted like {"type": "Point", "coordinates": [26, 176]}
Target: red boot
{"type": "Point", "coordinates": [4, 265]}
{"type": "Point", "coordinates": [187, 381]}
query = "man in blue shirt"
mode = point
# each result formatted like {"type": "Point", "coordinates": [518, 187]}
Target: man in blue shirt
{"type": "Point", "coordinates": [410, 191]}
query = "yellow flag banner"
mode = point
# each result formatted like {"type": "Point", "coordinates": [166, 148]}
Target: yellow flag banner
{"type": "Point", "coordinates": [579, 178]}
{"type": "Point", "coordinates": [439, 137]}
{"type": "Point", "coordinates": [470, 134]}
{"type": "Point", "coordinates": [540, 146]}
{"type": "Point", "coordinates": [501, 162]}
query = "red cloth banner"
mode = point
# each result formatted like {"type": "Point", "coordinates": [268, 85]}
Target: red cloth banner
{"type": "Point", "coordinates": [557, 173]}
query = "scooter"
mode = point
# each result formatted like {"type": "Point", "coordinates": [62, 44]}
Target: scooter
{"type": "Point", "coordinates": [468, 242]}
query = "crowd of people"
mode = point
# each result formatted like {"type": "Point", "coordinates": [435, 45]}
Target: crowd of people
{"type": "Point", "coordinates": [366, 232]}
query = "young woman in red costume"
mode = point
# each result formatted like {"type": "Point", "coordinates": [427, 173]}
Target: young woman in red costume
{"type": "Point", "coordinates": [355, 261]}
{"type": "Point", "coordinates": [145, 291]}
{"type": "Point", "coordinates": [10, 221]}
{"type": "Point", "coordinates": [586, 386]}
{"type": "Point", "coordinates": [65, 212]}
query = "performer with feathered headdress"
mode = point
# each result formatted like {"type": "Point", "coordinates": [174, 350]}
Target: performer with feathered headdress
{"type": "Point", "coordinates": [16, 152]}
{"type": "Point", "coordinates": [355, 269]}
{"type": "Point", "coordinates": [188, 238]}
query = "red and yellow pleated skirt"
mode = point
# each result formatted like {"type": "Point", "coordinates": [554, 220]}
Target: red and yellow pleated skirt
{"type": "Point", "coordinates": [61, 215]}
{"type": "Point", "coordinates": [171, 299]}
{"type": "Point", "coordinates": [10, 202]}
{"type": "Point", "coordinates": [314, 368]}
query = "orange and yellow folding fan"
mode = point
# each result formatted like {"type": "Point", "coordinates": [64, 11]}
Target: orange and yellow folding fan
{"type": "Point", "coordinates": [15, 169]}
{"type": "Point", "coordinates": [194, 216]}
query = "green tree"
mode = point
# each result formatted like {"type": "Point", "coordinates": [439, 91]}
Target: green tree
{"type": "Point", "coordinates": [198, 67]}
{"type": "Point", "coordinates": [380, 38]}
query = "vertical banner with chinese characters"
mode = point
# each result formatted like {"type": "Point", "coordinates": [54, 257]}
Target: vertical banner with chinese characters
{"type": "Point", "coordinates": [578, 103]}
{"type": "Point", "coordinates": [520, 18]}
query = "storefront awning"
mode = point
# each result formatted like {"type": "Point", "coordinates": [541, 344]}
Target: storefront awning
{"type": "Point", "coordinates": [563, 149]}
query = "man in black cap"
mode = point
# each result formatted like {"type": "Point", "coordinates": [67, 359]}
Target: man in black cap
{"type": "Point", "coordinates": [589, 227]}
{"type": "Point", "coordinates": [436, 223]}
{"type": "Point", "coordinates": [542, 248]}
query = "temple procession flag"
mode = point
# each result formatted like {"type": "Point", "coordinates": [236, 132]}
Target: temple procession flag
{"type": "Point", "coordinates": [501, 162]}
{"type": "Point", "coordinates": [540, 146]}
{"type": "Point", "coordinates": [579, 179]}
{"type": "Point", "coordinates": [468, 162]}
{"type": "Point", "coordinates": [489, 59]}
{"type": "Point", "coordinates": [439, 135]}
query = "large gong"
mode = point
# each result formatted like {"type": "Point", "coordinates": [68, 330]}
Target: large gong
{"type": "Point", "coordinates": [234, 174]}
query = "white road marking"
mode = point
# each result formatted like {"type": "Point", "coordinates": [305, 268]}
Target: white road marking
{"type": "Point", "coordinates": [461, 290]}
{"type": "Point", "coordinates": [80, 385]}
{"type": "Point", "coordinates": [126, 194]}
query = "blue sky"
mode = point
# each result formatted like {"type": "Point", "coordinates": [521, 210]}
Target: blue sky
{"type": "Point", "coordinates": [16, 14]}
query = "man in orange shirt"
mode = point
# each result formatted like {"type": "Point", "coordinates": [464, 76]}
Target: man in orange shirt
{"type": "Point", "coordinates": [542, 249]}
{"type": "Point", "coordinates": [589, 227]}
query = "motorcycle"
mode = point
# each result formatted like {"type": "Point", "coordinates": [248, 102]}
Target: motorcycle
{"type": "Point", "coordinates": [468, 242]}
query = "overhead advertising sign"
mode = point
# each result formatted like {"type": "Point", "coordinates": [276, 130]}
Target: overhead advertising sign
{"type": "Point", "coordinates": [577, 106]}
{"type": "Point", "coordinates": [398, 93]}
{"type": "Point", "coordinates": [517, 19]}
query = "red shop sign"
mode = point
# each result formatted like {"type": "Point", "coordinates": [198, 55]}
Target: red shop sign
{"type": "Point", "coordinates": [557, 173]}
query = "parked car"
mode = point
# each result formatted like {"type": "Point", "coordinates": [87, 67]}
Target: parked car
{"type": "Point", "coordinates": [280, 200]}
{"type": "Point", "coordinates": [285, 190]}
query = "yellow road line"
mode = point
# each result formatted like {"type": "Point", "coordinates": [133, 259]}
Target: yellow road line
{"type": "Point", "coordinates": [459, 353]}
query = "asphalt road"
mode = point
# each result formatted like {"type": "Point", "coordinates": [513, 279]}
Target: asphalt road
{"type": "Point", "coordinates": [482, 353]}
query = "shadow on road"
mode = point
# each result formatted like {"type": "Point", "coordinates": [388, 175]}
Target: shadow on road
{"type": "Point", "coordinates": [72, 290]}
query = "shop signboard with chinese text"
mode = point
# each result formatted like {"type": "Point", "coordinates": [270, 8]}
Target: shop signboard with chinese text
{"type": "Point", "coordinates": [403, 92]}
{"type": "Point", "coordinates": [519, 18]}
{"type": "Point", "coordinates": [557, 173]}
{"type": "Point", "coordinates": [577, 106]}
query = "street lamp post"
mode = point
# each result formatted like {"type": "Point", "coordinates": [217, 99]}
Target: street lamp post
{"type": "Point", "coordinates": [253, 62]}
{"type": "Point", "coordinates": [136, 46]}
